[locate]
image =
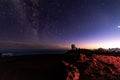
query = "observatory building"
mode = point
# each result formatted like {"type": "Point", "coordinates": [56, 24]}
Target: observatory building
{"type": "Point", "coordinates": [73, 47]}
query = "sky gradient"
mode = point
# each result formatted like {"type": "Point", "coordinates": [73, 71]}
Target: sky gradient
{"type": "Point", "coordinates": [86, 23]}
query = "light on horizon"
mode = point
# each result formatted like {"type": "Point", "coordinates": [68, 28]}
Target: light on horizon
{"type": "Point", "coordinates": [103, 44]}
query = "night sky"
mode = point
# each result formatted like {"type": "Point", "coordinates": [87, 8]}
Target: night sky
{"type": "Point", "coordinates": [86, 23]}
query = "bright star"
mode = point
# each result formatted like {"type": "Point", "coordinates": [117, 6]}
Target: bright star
{"type": "Point", "coordinates": [118, 26]}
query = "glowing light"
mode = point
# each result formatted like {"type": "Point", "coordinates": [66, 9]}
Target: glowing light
{"type": "Point", "coordinates": [108, 43]}
{"type": "Point", "coordinates": [118, 26]}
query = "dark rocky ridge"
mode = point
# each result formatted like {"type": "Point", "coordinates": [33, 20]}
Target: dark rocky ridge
{"type": "Point", "coordinates": [81, 66]}
{"type": "Point", "coordinates": [94, 66]}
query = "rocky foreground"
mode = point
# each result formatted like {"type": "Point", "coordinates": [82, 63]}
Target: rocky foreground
{"type": "Point", "coordinates": [92, 67]}
{"type": "Point", "coordinates": [60, 67]}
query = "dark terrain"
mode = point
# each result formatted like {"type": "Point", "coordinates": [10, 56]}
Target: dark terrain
{"type": "Point", "coordinates": [34, 67]}
{"type": "Point", "coordinates": [69, 66]}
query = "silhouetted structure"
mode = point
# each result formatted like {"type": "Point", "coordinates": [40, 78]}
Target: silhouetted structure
{"type": "Point", "coordinates": [73, 47]}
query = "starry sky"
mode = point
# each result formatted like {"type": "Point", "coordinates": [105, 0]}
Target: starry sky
{"type": "Point", "coordinates": [86, 23]}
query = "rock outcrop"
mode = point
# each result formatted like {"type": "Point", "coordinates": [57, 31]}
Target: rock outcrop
{"type": "Point", "coordinates": [94, 67]}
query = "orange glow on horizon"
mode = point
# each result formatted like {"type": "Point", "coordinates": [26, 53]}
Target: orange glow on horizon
{"type": "Point", "coordinates": [102, 44]}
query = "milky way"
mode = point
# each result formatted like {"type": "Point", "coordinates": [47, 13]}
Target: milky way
{"type": "Point", "coordinates": [28, 20]}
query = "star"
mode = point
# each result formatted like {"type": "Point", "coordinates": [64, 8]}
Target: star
{"type": "Point", "coordinates": [118, 26]}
